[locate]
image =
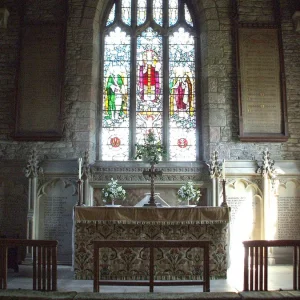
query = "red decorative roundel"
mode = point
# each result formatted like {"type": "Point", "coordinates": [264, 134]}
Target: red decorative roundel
{"type": "Point", "coordinates": [115, 142]}
{"type": "Point", "coordinates": [182, 142]}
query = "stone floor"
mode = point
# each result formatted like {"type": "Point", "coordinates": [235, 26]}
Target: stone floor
{"type": "Point", "coordinates": [280, 277]}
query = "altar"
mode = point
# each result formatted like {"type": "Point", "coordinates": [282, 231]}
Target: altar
{"type": "Point", "coordinates": [149, 223]}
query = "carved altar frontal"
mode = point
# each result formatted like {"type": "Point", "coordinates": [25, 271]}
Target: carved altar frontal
{"type": "Point", "coordinates": [130, 223]}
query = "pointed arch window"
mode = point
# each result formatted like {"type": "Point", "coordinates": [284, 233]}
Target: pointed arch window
{"type": "Point", "coordinates": [149, 79]}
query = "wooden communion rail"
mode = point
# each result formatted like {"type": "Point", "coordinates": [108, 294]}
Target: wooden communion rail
{"type": "Point", "coordinates": [256, 272]}
{"type": "Point", "coordinates": [44, 257]}
{"type": "Point", "coordinates": [152, 245]}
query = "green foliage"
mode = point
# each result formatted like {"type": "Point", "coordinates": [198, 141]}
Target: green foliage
{"type": "Point", "coordinates": [151, 151]}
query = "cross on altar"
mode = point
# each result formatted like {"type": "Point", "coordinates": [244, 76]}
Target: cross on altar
{"type": "Point", "coordinates": [152, 173]}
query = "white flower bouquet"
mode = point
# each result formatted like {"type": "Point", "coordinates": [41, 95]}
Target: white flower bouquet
{"type": "Point", "coordinates": [113, 191]}
{"type": "Point", "coordinates": [188, 192]}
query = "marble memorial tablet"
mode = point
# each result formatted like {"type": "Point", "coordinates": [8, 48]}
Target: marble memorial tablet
{"type": "Point", "coordinates": [260, 86]}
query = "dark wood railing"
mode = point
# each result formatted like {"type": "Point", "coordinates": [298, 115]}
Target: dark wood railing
{"type": "Point", "coordinates": [152, 245]}
{"type": "Point", "coordinates": [256, 271]}
{"type": "Point", "coordinates": [44, 258]}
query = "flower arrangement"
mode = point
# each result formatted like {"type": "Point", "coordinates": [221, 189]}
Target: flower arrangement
{"type": "Point", "coordinates": [188, 192]}
{"type": "Point", "coordinates": [113, 191]}
{"type": "Point", "coordinates": [151, 151]}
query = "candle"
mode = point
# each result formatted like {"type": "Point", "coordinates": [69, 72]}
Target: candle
{"type": "Point", "coordinates": [79, 162]}
{"type": "Point", "coordinates": [223, 169]}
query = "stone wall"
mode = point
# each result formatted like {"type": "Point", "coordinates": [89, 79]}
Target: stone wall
{"type": "Point", "coordinates": [219, 125]}
{"type": "Point", "coordinates": [218, 77]}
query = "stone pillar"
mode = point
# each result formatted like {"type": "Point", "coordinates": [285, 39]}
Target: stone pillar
{"type": "Point", "coordinates": [86, 174]}
{"type": "Point", "coordinates": [268, 173]}
{"type": "Point", "coordinates": [266, 206]}
{"type": "Point", "coordinates": [215, 169]}
{"type": "Point", "coordinates": [32, 171]}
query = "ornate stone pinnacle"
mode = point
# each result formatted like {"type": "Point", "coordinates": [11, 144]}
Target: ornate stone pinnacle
{"type": "Point", "coordinates": [32, 169]}
{"type": "Point", "coordinates": [86, 169]}
{"type": "Point", "coordinates": [215, 166]}
{"type": "Point", "coordinates": [267, 166]}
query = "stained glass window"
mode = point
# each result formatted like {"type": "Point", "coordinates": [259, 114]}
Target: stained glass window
{"type": "Point", "coordinates": [173, 12]}
{"type": "Point", "coordinates": [187, 15]}
{"type": "Point", "coordinates": [157, 11]}
{"type": "Point", "coordinates": [141, 11]}
{"type": "Point", "coordinates": [149, 80]}
{"type": "Point", "coordinates": [111, 16]}
{"type": "Point", "coordinates": [126, 11]}
{"type": "Point", "coordinates": [182, 121]}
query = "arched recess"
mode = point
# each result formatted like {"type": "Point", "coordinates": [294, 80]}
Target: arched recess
{"type": "Point", "coordinates": [245, 199]}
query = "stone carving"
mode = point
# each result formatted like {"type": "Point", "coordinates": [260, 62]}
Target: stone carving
{"type": "Point", "coordinates": [86, 169]}
{"type": "Point", "coordinates": [215, 166]}
{"type": "Point", "coordinates": [267, 166]}
{"type": "Point", "coordinates": [4, 14]}
{"type": "Point", "coordinates": [33, 169]}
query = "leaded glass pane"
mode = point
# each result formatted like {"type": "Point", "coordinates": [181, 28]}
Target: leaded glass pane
{"type": "Point", "coordinates": [158, 12]}
{"type": "Point", "coordinates": [111, 16]}
{"type": "Point", "coordinates": [126, 11]}
{"type": "Point", "coordinates": [116, 79]}
{"type": "Point", "coordinates": [115, 143]}
{"type": "Point", "coordinates": [149, 72]}
{"type": "Point", "coordinates": [187, 15]}
{"type": "Point", "coordinates": [141, 11]}
{"type": "Point", "coordinates": [182, 144]}
{"type": "Point", "coordinates": [182, 123]}
{"type": "Point", "coordinates": [149, 120]}
{"type": "Point", "coordinates": [173, 12]}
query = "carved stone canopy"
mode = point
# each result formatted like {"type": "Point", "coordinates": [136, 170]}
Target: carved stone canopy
{"type": "Point", "coordinates": [296, 20]}
{"type": "Point", "coordinates": [4, 14]}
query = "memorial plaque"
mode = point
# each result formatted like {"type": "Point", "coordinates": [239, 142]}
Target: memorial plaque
{"type": "Point", "coordinates": [289, 211]}
{"type": "Point", "coordinates": [288, 217]}
{"type": "Point", "coordinates": [261, 92]}
{"type": "Point", "coordinates": [56, 218]}
{"type": "Point", "coordinates": [40, 83]}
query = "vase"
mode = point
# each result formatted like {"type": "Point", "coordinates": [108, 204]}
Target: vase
{"type": "Point", "coordinates": [112, 204]}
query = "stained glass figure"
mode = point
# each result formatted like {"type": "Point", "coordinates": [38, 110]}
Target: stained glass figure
{"type": "Point", "coordinates": [141, 12]}
{"type": "Point", "coordinates": [116, 94]}
{"type": "Point", "coordinates": [182, 96]}
{"type": "Point", "coordinates": [111, 16]}
{"type": "Point", "coordinates": [173, 12]}
{"type": "Point", "coordinates": [115, 120]}
{"type": "Point", "coordinates": [126, 11]}
{"type": "Point", "coordinates": [157, 12]}
{"type": "Point", "coordinates": [116, 73]}
{"type": "Point", "coordinates": [149, 75]}
{"type": "Point", "coordinates": [187, 15]}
